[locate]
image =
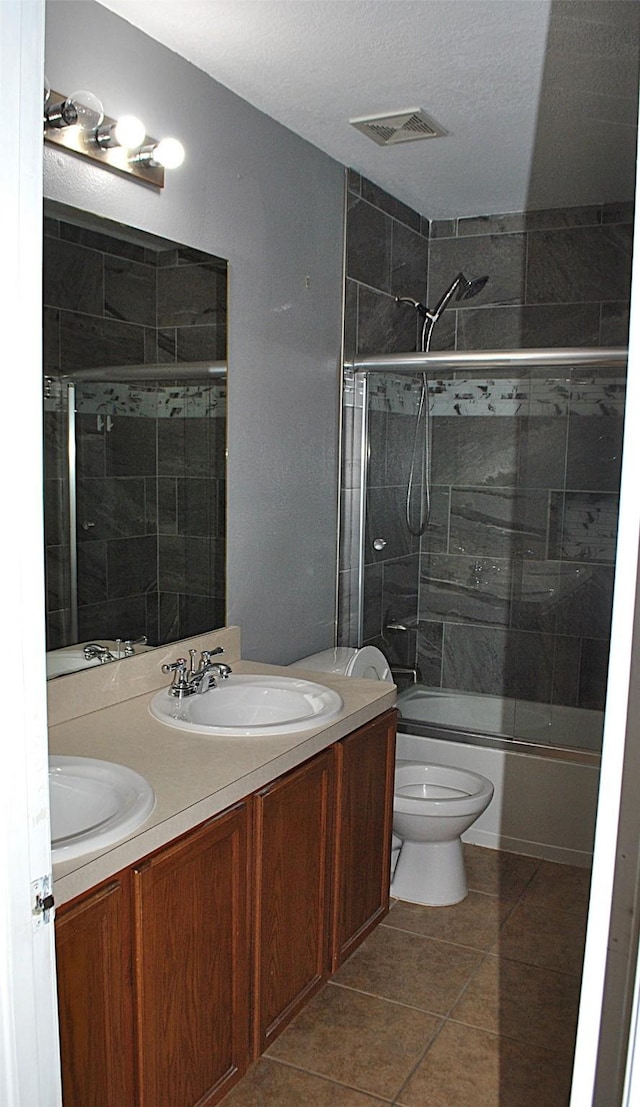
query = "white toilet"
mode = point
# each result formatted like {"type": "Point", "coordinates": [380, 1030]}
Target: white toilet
{"type": "Point", "coordinates": [368, 662]}
{"type": "Point", "coordinates": [433, 805]}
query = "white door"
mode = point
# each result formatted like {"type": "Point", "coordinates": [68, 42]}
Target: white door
{"type": "Point", "coordinates": [622, 723]}
{"type": "Point", "coordinates": [29, 1056]}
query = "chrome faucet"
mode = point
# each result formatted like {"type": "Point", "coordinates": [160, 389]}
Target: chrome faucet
{"type": "Point", "coordinates": [95, 651]}
{"type": "Point", "coordinates": [190, 679]}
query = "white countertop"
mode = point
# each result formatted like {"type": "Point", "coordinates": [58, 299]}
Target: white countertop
{"type": "Point", "coordinates": [194, 776]}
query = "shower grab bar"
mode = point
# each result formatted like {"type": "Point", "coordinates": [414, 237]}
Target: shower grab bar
{"type": "Point", "coordinates": [450, 360]}
{"type": "Point", "coordinates": [404, 671]}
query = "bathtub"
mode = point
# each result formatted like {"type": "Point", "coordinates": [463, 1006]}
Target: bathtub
{"type": "Point", "coordinates": [492, 716]}
{"type": "Point", "coordinates": [545, 798]}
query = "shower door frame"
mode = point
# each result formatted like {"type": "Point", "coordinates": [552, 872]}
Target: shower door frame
{"type": "Point", "coordinates": [163, 372]}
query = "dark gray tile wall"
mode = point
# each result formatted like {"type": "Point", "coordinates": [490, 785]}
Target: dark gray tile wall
{"type": "Point", "coordinates": [151, 491]}
{"type": "Point", "coordinates": [387, 257]}
{"type": "Point", "coordinates": [521, 599]}
{"type": "Point", "coordinates": [510, 590]}
{"type": "Point", "coordinates": [556, 278]}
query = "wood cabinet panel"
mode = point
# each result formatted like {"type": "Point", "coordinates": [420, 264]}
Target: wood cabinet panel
{"type": "Point", "coordinates": [292, 886]}
{"type": "Point", "coordinates": [95, 999]}
{"type": "Point", "coordinates": [191, 965]}
{"type": "Point", "coordinates": [364, 814]}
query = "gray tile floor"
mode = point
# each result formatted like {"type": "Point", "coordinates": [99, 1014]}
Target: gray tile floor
{"type": "Point", "coordinates": [473, 1005]}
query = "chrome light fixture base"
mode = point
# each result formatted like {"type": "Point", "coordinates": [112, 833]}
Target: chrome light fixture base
{"type": "Point", "coordinates": [88, 145]}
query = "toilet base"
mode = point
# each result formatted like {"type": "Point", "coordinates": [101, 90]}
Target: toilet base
{"type": "Point", "coordinates": [431, 873]}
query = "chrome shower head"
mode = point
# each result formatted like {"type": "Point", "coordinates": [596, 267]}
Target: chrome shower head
{"type": "Point", "coordinates": [463, 288]}
{"type": "Point", "coordinates": [467, 289]}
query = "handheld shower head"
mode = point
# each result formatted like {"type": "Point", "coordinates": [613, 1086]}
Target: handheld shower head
{"type": "Point", "coordinates": [467, 289]}
{"type": "Point", "coordinates": [463, 288]}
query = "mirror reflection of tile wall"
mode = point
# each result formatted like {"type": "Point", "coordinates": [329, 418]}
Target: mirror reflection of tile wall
{"type": "Point", "coordinates": [150, 454]}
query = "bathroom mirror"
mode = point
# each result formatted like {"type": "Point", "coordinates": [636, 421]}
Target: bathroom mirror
{"type": "Point", "coordinates": [134, 396]}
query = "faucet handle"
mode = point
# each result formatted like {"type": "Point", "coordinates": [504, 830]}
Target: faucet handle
{"type": "Point", "coordinates": [206, 655]}
{"type": "Point", "coordinates": [174, 666]}
{"type": "Point", "coordinates": [179, 666]}
{"type": "Point", "coordinates": [180, 682]}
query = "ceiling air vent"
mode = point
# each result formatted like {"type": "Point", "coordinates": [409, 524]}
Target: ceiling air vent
{"type": "Point", "coordinates": [401, 126]}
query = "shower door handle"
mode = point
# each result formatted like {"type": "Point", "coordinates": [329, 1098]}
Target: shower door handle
{"type": "Point", "coordinates": [379, 543]}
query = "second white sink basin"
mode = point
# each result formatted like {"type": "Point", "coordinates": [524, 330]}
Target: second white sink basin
{"type": "Point", "coordinates": [94, 804]}
{"type": "Point", "coordinates": [249, 706]}
{"type": "Point", "coordinates": [61, 662]}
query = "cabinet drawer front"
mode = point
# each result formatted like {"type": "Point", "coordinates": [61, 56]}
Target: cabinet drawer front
{"type": "Point", "coordinates": [191, 943]}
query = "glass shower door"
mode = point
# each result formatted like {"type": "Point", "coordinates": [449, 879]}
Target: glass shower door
{"type": "Point", "coordinates": [506, 598]}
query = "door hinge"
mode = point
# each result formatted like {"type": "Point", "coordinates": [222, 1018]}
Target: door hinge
{"type": "Point", "coordinates": [42, 902]}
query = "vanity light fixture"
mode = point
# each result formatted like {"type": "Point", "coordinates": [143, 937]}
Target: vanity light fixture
{"type": "Point", "coordinates": [78, 123]}
{"type": "Point", "coordinates": [169, 153]}
{"type": "Point", "coordinates": [82, 110]}
{"type": "Point", "coordinates": [128, 132]}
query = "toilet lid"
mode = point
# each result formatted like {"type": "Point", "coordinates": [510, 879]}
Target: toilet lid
{"type": "Point", "coordinates": [335, 660]}
{"type": "Point", "coordinates": [369, 662]}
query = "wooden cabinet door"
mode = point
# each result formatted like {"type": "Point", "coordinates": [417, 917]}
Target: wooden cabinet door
{"type": "Point", "coordinates": [190, 904]}
{"type": "Point", "coordinates": [364, 813]}
{"type": "Point", "coordinates": [292, 820]}
{"type": "Point", "coordinates": [95, 999]}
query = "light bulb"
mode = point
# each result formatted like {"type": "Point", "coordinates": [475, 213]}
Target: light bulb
{"type": "Point", "coordinates": [129, 132]}
{"type": "Point", "coordinates": [169, 153]}
{"type": "Point", "coordinates": [88, 110]}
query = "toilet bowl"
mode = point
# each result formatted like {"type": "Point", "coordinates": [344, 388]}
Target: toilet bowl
{"type": "Point", "coordinates": [433, 805]}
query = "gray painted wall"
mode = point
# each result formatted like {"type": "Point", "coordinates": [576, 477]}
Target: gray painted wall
{"type": "Point", "coordinates": [255, 193]}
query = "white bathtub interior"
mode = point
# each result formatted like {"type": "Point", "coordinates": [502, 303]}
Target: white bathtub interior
{"type": "Point", "coordinates": [543, 724]}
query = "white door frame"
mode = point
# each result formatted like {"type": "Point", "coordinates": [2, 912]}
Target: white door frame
{"type": "Point", "coordinates": [622, 722]}
{"type": "Point", "coordinates": [29, 1050]}
{"type": "Point", "coordinates": [29, 1058]}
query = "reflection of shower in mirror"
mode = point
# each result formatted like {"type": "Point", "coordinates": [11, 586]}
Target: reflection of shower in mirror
{"type": "Point", "coordinates": [135, 437]}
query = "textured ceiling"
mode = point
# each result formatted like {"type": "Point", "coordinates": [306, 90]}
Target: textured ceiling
{"type": "Point", "coordinates": [539, 98]}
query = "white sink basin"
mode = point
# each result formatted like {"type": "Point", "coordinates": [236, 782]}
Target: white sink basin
{"type": "Point", "coordinates": [94, 804]}
{"type": "Point", "coordinates": [60, 662]}
{"type": "Point", "coordinates": [249, 706]}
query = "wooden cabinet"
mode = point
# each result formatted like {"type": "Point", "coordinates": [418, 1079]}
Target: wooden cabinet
{"type": "Point", "coordinates": [322, 840]}
{"type": "Point", "coordinates": [292, 826]}
{"type": "Point", "coordinates": [173, 974]}
{"type": "Point", "coordinates": [95, 999]}
{"type": "Point", "coordinates": [191, 965]}
{"type": "Point", "coordinates": [365, 763]}
{"type": "Point", "coordinates": [178, 1033]}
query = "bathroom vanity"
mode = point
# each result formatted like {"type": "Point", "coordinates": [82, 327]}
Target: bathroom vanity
{"type": "Point", "coordinates": [185, 949]}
